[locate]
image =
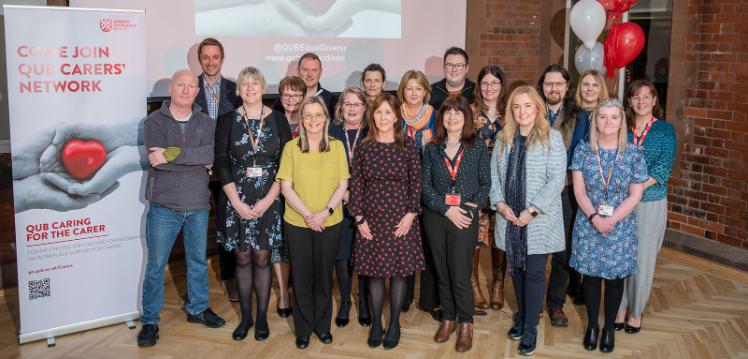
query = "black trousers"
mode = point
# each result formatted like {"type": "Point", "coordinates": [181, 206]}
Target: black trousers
{"type": "Point", "coordinates": [529, 285]}
{"type": "Point", "coordinates": [428, 294]}
{"type": "Point", "coordinates": [226, 259]}
{"type": "Point", "coordinates": [452, 251]}
{"type": "Point", "coordinates": [312, 257]}
{"type": "Point", "coordinates": [560, 269]}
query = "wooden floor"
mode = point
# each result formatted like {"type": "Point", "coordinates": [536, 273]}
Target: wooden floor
{"type": "Point", "coordinates": [698, 309]}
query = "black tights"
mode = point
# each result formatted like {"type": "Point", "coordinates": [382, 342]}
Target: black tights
{"type": "Point", "coordinates": [253, 269]}
{"type": "Point", "coordinates": [344, 273]}
{"type": "Point", "coordinates": [397, 295]}
{"type": "Point", "coordinates": [613, 296]}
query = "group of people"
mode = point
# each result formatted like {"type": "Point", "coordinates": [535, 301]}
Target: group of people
{"type": "Point", "coordinates": [386, 185]}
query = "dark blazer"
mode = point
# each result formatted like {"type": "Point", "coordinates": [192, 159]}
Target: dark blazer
{"type": "Point", "coordinates": [229, 100]}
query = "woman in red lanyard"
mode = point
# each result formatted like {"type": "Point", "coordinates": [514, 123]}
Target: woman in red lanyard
{"type": "Point", "coordinates": [648, 130]}
{"type": "Point", "coordinates": [456, 181]}
{"type": "Point", "coordinates": [608, 178]}
{"type": "Point", "coordinates": [350, 128]}
{"type": "Point", "coordinates": [292, 91]}
{"type": "Point", "coordinates": [248, 147]}
{"type": "Point", "coordinates": [419, 121]}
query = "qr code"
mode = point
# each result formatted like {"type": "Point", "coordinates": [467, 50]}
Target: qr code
{"type": "Point", "coordinates": [39, 288]}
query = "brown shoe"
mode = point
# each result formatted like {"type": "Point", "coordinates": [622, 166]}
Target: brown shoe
{"type": "Point", "coordinates": [558, 318]}
{"type": "Point", "coordinates": [464, 337]}
{"type": "Point", "coordinates": [498, 267]}
{"type": "Point", "coordinates": [230, 289]}
{"type": "Point", "coordinates": [445, 330]}
{"type": "Point", "coordinates": [480, 300]}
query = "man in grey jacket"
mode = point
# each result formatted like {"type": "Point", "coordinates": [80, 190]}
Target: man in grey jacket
{"type": "Point", "coordinates": [180, 140]}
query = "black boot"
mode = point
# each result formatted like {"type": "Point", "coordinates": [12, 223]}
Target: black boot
{"type": "Point", "coordinates": [607, 340]}
{"type": "Point", "coordinates": [591, 338]}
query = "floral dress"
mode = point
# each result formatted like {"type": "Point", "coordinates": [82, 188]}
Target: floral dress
{"type": "Point", "coordinates": [385, 185]}
{"type": "Point", "coordinates": [486, 131]}
{"type": "Point", "coordinates": [233, 142]}
{"type": "Point", "coordinates": [612, 255]}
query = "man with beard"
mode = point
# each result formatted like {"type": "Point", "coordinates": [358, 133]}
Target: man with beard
{"type": "Point", "coordinates": [217, 96]}
{"type": "Point", "coordinates": [554, 85]}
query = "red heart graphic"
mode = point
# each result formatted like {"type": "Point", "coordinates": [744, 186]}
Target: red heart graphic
{"type": "Point", "coordinates": [83, 158]}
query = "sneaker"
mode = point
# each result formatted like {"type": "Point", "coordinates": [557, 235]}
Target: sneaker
{"type": "Point", "coordinates": [527, 343]}
{"type": "Point", "coordinates": [207, 317]}
{"type": "Point", "coordinates": [148, 335]}
{"type": "Point", "coordinates": [558, 318]}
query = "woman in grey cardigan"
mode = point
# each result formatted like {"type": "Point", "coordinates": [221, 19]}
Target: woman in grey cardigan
{"type": "Point", "coordinates": [528, 170]}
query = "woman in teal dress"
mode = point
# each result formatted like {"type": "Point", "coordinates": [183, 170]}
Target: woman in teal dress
{"type": "Point", "coordinates": [608, 178]}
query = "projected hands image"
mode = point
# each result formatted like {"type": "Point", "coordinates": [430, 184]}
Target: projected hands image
{"type": "Point", "coordinates": [299, 18]}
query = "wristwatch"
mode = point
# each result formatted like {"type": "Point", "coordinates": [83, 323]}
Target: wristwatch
{"type": "Point", "coordinates": [330, 210]}
{"type": "Point", "coordinates": [361, 221]}
{"type": "Point", "coordinates": [533, 211]}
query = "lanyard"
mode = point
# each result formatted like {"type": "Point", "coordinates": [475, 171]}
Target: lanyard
{"type": "Point", "coordinates": [255, 141]}
{"type": "Point", "coordinates": [453, 170]}
{"type": "Point", "coordinates": [640, 140]}
{"type": "Point", "coordinates": [605, 180]}
{"type": "Point", "coordinates": [215, 96]}
{"type": "Point", "coordinates": [350, 148]}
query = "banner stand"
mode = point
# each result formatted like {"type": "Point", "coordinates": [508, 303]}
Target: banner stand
{"type": "Point", "coordinates": [76, 99]}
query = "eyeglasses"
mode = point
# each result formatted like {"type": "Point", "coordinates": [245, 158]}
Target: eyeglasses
{"type": "Point", "coordinates": [317, 116]}
{"type": "Point", "coordinates": [494, 84]}
{"type": "Point", "coordinates": [450, 66]}
{"type": "Point", "coordinates": [286, 96]}
{"type": "Point", "coordinates": [352, 105]}
{"type": "Point", "coordinates": [554, 84]}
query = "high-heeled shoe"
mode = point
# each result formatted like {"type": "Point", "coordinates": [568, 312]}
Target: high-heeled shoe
{"type": "Point", "coordinates": [284, 312]}
{"type": "Point", "coordinates": [364, 321]}
{"type": "Point", "coordinates": [242, 329]}
{"type": "Point", "coordinates": [391, 340]}
{"type": "Point", "coordinates": [590, 338]}
{"type": "Point", "coordinates": [632, 329]}
{"type": "Point", "coordinates": [619, 326]}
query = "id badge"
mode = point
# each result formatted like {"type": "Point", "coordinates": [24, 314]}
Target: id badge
{"type": "Point", "coordinates": [254, 172]}
{"type": "Point", "coordinates": [452, 199]}
{"type": "Point", "coordinates": [605, 210]}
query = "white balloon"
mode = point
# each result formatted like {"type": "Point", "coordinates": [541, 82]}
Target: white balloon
{"type": "Point", "coordinates": [586, 59]}
{"type": "Point", "coordinates": [587, 20]}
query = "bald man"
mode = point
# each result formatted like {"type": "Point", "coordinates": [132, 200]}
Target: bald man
{"type": "Point", "coordinates": [179, 138]}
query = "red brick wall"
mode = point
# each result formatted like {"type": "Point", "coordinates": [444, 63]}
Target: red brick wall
{"type": "Point", "coordinates": [506, 33]}
{"type": "Point", "coordinates": [709, 87]}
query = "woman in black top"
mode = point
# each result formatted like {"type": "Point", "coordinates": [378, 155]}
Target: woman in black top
{"type": "Point", "coordinates": [456, 180]}
{"type": "Point", "coordinates": [248, 148]}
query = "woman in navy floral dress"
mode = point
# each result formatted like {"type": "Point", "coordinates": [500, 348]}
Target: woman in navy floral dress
{"type": "Point", "coordinates": [385, 199]}
{"type": "Point", "coordinates": [248, 146]}
{"type": "Point", "coordinates": [608, 178]}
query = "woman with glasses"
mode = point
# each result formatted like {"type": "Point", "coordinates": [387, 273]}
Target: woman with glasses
{"type": "Point", "coordinates": [350, 128]}
{"type": "Point", "coordinates": [292, 91]}
{"type": "Point", "coordinates": [385, 202]}
{"type": "Point", "coordinates": [314, 176]}
{"type": "Point", "coordinates": [247, 155]}
{"type": "Point", "coordinates": [487, 117]}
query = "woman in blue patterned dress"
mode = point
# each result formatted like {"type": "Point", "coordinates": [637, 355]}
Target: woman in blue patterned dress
{"type": "Point", "coordinates": [608, 181]}
{"type": "Point", "coordinates": [248, 146]}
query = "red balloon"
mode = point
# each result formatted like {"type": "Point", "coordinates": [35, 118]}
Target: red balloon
{"type": "Point", "coordinates": [622, 45]}
{"type": "Point", "coordinates": [616, 8]}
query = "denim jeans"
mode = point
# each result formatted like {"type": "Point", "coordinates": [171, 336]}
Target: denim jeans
{"type": "Point", "coordinates": [162, 226]}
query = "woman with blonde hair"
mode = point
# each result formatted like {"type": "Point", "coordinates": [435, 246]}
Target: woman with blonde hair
{"type": "Point", "coordinates": [528, 170]}
{"type": "Point", "coordinates": [314, 176]}
{"type": "Point", "coordinates": [609, 178]}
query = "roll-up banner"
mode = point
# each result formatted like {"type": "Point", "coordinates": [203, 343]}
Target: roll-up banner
{"type": "Point", "coordinates": [77, 98]}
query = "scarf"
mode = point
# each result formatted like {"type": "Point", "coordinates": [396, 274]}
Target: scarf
{"type": "Point", "coordinates": [516, 237]}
